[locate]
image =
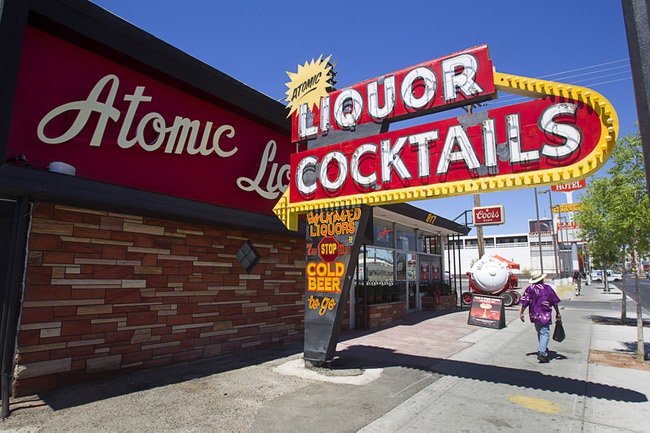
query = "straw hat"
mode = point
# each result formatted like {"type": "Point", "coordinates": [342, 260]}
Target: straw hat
{"type": "Point", "coordinates": [536, 277]}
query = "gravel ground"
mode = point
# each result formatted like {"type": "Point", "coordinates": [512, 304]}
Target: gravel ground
{"type": "Point", "coordinates": [239, 394]}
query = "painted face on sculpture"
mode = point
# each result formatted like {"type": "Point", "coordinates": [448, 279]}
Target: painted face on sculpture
{"type": "Point", "coordinates": [489, 274]}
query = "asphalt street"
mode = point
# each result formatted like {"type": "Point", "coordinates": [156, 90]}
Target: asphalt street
{"type": "Point", "coordinates": [644, 289]}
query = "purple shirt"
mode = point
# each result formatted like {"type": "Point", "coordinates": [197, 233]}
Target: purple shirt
{"type": "Point", "coordinates": [540, 299]}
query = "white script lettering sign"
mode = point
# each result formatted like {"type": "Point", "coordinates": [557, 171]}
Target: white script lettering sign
{"type": "Point", "coordinates": [119, 123]}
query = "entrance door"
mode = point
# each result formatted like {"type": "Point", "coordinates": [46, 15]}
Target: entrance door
{"type": "Point", "coordinates": [406, 278]}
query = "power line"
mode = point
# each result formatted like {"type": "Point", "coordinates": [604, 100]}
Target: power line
{"type": "Point", "coordinates": [586, 67]}
{"type": "Point", "coordinates": [611, 81]}
{"type": "Point", "coordinates": [510, 98]}
{"type": "Point", "coordinates": [627, 67]}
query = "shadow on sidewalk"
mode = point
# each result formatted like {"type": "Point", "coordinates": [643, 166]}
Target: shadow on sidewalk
{"type": "Point", "coordinates": [124, 383]}
{"type": "Point", "coordinates": [118, 383]}
{"type": "Point", "coordinates": [383, 357]}
{"type": "Point", "coordinates": [608, 320]}
{"type": "Point", "coordinates": [631, 347]}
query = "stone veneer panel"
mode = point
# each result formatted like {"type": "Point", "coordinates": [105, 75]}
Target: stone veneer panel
{"type": "Point", "coordinates": [383, 314]}
{"type": "Point", "coordinates": [107, 292]}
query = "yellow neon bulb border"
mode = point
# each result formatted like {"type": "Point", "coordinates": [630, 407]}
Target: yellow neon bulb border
{"type": "Point", "coordinates": [530, 87]}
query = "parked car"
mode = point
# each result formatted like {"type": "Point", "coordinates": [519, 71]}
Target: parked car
{"type": "Point", "coordinates": [611, 276]}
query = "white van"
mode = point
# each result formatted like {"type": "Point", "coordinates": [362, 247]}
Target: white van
{"type": "Point", "coordinates": [611, 276]}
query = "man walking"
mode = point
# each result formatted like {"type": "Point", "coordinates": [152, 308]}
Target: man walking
{"type": "Point", "coordinates": [576, 281]}
{"type": "Point", "coordinates": [541, 299]}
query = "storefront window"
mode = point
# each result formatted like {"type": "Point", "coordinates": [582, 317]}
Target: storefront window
{"type": "Point", "coordinates": [425, 272]}
{"type": "Point", "coordinates": [391, 268]}
{"type": "Point", "coordinates": [430, 273]}
{"type": "Point", "coordinates": [380, 272]}
{"type": "Point", "coordinates": [405, 237]}
{"type": "Point", "coordinates": [379, 264]}
{"type": "Point", "coordinates": [384, 235]}
{"type": "Point", "coordinates": [429, 243]}
{"type": "Point", "coordinates": [436, 269]}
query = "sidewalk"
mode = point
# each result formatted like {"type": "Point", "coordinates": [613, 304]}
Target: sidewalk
{"type": "Point", "coordinates": [497, 384]}
{"type": "Point", "coordinates": [431, 372]}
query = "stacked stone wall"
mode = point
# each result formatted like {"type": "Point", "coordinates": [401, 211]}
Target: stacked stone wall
{"type": "Point", "coordinates": [108, 293]}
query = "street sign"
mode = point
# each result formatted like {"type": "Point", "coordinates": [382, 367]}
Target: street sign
{"type": "Point", "coordinates": [328, 248]}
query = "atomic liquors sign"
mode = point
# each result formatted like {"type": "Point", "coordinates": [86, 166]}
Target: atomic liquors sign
{"type": "Point", "coordinates": [563, 134]}
{"type": "Point", "coordinates": [349, 160]}
{"type": "Point", "coordinates": [110, 121]}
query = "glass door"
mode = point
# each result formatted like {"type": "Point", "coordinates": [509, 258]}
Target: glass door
{"type": "Point", "coordinates": [406, 278]}
{"type": "Point", "coordinates": [400, 274]}
{"type": "Point", "coordinates": [412, 273]}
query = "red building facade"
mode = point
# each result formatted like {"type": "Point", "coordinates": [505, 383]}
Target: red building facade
{"type": "Point", "coordinates": [136, 196]}
{"type": "Point", "coordinates": [136, 188]}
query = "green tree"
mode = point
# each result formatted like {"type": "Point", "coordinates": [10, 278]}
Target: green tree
{"type": "Point", "coordinates": [599, 225]}
{"type": "Point", "coordinates": [616, 216]}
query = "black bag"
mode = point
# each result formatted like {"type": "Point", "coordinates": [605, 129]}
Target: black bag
{"type": "Point", "coordinates": [558, 333]}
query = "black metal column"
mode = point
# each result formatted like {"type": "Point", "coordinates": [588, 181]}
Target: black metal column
{"type": "Point", "coordinates": [12, 296]}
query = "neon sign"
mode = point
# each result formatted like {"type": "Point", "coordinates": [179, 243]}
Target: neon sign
{"type": "Point", "coordinates": [564, 135]}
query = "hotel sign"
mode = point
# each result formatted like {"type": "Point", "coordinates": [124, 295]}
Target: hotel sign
{"type": "Point", "coordinates": [566, 134]}
{"type": "Point", "coordinates": [568, 187]}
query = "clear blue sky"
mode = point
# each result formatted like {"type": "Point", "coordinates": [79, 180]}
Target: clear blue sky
{"type": "Point", "coordinates": [255, 42]}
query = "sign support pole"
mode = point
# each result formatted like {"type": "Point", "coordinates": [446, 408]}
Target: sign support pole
{"type": "Point", "coordinates": [334, 238]}
{"type": "Point", "coordinates": [539, 235]}
{"type": "Point", "coordinates": [479, 229]}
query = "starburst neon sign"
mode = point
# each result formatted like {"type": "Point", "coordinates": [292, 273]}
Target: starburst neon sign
{"type": "Point", "coordinates": [312, 82]}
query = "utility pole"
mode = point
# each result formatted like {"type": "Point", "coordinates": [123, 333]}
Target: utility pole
{"type": "Point", "coordinates": [479, 229]}
{"type": "Point", "coordinates": [477, 203]}
{"type": "Point", "coordinates": [553, 227]}
{"type": "Point", "coordinates": [539, 235]}
{"type": "Point", "coordinates": [557, 266]}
